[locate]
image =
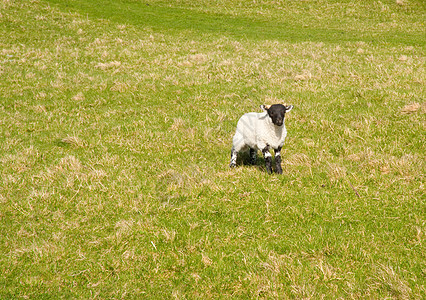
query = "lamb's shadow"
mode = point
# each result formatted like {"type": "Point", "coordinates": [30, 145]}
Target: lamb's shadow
{"type": "Point", "coordinates": [244, 159]}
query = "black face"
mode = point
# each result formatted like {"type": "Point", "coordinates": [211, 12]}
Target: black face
{"type": "Point", "coordinates": [277, 113]}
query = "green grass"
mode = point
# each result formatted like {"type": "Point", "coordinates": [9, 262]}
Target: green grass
{"type": "Point", "coordinates": [286, 21]}
{"type": "Point", "coordinates": [116, 122]}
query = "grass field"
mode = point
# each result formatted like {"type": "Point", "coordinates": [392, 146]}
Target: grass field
{"type": "Point", "coordinates": [116, 124]}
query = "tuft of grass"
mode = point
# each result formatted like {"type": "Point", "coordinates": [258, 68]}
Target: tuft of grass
{"type": "Point", "coordinates": [116, 121]}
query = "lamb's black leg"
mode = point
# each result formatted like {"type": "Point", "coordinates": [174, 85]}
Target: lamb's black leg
{"type": "Point", "coordinates": [233, 162]}
{"type": "Point", "coordinates": [253, 156]}
{"type": "Point", "coordinates": [268, 159]}
{"type": "Point", "coordinates": [278, 160]}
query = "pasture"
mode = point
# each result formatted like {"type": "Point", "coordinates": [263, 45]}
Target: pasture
{"type": "Point", "coordinates": [116, 125]}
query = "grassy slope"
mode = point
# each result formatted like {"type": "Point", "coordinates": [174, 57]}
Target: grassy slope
{"type": "Point", "coordinates": [115, 139]}
{"type": "Point", "coordinates": [286, 21]}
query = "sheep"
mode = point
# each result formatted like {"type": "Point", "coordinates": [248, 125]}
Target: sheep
{"type": "Point", "coordinates": [261, 131]}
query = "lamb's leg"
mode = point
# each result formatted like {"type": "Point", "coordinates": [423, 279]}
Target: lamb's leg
{"type": "Point", "coordinates": [268, 159]}
{"type": "Point", "coordinates": [234, 155]}
{"type": "Point", "coordinates": [278, 160]}
{"type": "Point", "coordinates": [253, 156]}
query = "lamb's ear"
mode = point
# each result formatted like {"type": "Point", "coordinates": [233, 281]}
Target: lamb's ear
{"type": "Point", "coordinates": [265, 107]}
{"type": "Point", "coordinates": [288, 108]}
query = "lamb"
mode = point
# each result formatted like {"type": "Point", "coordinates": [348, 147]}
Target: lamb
{"type": "Point", "coordinates": [261, 131]}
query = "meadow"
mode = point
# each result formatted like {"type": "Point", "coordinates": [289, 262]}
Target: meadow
{"type": "Point", "coordinates": [116, 125]}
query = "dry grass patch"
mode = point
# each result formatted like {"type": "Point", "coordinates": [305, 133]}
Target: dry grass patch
{"type": "Point", "coordinates": [412, 108]}
{"type": "Point", "coordinates": [386, 277]}
{"type": "Point", "coordinates": [74, 141]}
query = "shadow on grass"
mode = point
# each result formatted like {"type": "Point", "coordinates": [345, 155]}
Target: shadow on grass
{"type": "Point", "coordinates": [60, 143]}
{"type": "Point", "coordinates": [243, 160]}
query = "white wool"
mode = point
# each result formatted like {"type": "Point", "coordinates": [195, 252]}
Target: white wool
{"type": "Point", "coordinates": [256, 130]}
